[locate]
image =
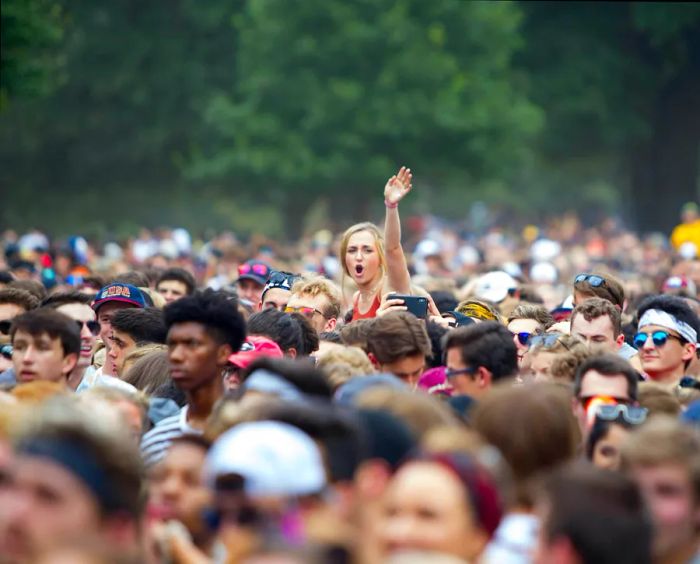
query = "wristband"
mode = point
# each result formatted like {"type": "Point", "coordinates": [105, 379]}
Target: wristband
{"type": "Point", "coordinates": [389, 205]}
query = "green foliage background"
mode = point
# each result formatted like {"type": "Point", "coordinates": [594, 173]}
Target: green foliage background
{"type": "Point", "coordinates": [258, 114]}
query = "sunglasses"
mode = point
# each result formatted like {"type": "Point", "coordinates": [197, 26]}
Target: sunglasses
{"type": "Point", "coordinates": [280, 277]}
{"type": "Point", "coordinates": [593, 279]}
{"type": "Point", "coordinates": [548, 341]}
{"type": "Point", "coordinates": [93, 326]}
{"type": "Point", "coordinates": [659, 338]}
{"type": "Point", "coordinates": [5, 326]}
{"type": "Point", "coordinates": [633, 414]}
{"type": "Point", "coordinates": [449, 374]}
{"type": "Point", "coordinates": [307, 312]}
{"type": "Point", "coordinates": [6, 351]}
{"type": "Point", "coordinates": [689, 382]}
{"type": "Point", "coordinates": [256, 268]}
{"type": "Point", "coordinates": [523, 337]}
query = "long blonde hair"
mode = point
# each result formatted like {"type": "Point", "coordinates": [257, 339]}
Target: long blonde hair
{"type": "Point", "coordinates": [378, 241]}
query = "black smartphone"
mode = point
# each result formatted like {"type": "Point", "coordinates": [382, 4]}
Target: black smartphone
{"type": "Point", "coordinates": [417, 305]}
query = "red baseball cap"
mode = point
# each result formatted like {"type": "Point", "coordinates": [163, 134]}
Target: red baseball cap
{"type": "Point", "coordinates": [255, 347]}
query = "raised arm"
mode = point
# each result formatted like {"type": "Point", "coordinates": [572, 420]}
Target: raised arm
{"type": "Point", "coordinates": [398, 278]}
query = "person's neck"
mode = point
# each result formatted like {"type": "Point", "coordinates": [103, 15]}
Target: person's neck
{"type": "Point", "coordinates": [75, 377]}
{"type": "Point", "coordinates": [670, 377]}
{"type": "Point", "coordinates": [201, 401]}
{"type": "Point", "coordinates": [369, 289]}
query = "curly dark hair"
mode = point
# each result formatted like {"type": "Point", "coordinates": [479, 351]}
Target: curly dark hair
{"type": "Point", "coordinates": [215, 310]}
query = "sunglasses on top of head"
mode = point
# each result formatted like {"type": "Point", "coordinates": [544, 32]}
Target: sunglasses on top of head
{"type": "Point", "coordinates": [593, 279]}
{"type": "Point", "coordinates": [659, 338]}
{"type": "Point", "coordinates": [257, 268]}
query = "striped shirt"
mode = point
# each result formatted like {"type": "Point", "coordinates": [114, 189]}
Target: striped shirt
{"type": "Point", "coordinates": [156, 442]}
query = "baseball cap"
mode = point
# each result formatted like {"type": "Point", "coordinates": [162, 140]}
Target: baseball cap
{"type": "Point", "coordinates": [274, 459]}
{"type": "Point", "coordinates": [494, 286]}
{"type": "Point", "coordinates": [254, 347]}
{"type": "Point", "coordinates": [255, 270]}
{"type": "Point", "coordinates": [280, 279]}
{"type": "Point", "coordinates": [119, 292]}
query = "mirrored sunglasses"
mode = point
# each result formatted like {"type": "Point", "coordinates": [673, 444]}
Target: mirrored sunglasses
{"type": "Point", "coordinates": [659, 338]}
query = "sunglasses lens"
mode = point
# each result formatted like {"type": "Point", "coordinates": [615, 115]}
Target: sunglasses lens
{"type": "Point", "coordinates": [244, 269]}
{"type": "Point", "coordinates": [94, 327]}
{"type": "Point", "coordinates": [660, 338]}
{"type": "Point", "coordinates": [639, 340]}
{"type": "Point", "coordinates": [260, 269]}
{"type": "Point", "coordinates": [524, 338]}
{"type": "Point", "coordinates": [5, 327]}
{"type": "Point", "coordinates": [595, 281]}
{"type": "Point", "coordinates": [580, 278]}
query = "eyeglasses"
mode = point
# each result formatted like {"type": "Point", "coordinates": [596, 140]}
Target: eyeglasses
{"type": "Point", "coordinates": [633, 414]}
{"type": "Point", "coordinates": [307, 312]}
{"type": "Point", "coordinates": [548, 340]}
{"type": "Point", "coordinates": [659, 338]}
{"type": "Point", "coordinates": [523, 337]}
{"type": "Point", "coordinates": [5, 325]}
{"type": "Point", "coordinates": [257, 268]}
{"type": "Point", "coordinates": [93, 326]}
{"type": "Point", "coordinates": [593, 279]}
{"type": "Point", "coordinates": [452, 373]}
{"type": "Point", "coordinates": [689, 382]}
{"type": "Point", "coordinates": [6, 351]}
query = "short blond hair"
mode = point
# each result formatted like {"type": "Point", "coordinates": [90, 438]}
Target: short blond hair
{"type": "Point", "coordinates": [319, 286]}
{"type": "Point", "coordinates": [342, 363]}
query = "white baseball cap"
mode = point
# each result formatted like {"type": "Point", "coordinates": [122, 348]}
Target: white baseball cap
{"type": "Point", "coordinates": [274, 459]}
{"type": "Point", "coordinates": [494, 286]}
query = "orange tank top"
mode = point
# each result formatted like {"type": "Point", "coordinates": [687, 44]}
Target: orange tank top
{"type": "Point", "coordinates": [370, 313]}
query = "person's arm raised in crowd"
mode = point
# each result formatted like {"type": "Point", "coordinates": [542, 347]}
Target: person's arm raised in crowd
{"type": "Point", "coordinates": [398, 278]}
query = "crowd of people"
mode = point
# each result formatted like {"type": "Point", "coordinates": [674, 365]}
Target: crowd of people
{"type": "Point", "coordinates": [501, 395]}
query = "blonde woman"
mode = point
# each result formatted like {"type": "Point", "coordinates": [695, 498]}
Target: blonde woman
{"type": "Point", "coordinates": [376, 263]}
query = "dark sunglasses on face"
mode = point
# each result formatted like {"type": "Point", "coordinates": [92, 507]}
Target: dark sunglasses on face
{"type": "Point", "coordinates": [633, 414]}
{"type": "Point", "coordinates": [593, 279]}
{"type": "Point", "coordinates": [93, 326]}
{"type": "Point", "coordinates": [659, 338]}
{"type": "Point", "coordinates": [458, 371]}
{"type": "Point", "coordinates": [257, 268]}
{"type": "Point", "coordinates": [523, 337]}
{"type": "Point", "coordinates": [5, 325]}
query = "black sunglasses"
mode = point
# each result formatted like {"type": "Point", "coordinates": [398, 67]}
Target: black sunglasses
{"type": "Point", "coordinates": [5, 325]}
{"type": "Point", "coordinates": [659, 338]}
{"type": "Point", "coordinates": [93, 326]}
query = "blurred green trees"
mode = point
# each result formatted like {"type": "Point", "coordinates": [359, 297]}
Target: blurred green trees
{"type": "Point", "coordinates": [253, 114]}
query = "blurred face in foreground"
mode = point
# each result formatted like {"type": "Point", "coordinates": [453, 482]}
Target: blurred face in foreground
{"type": "Point", "coordinates": [668, 491]}
{"type": "Point", "coordinates": [426, 509]}
{"type": "Point", "coordinates": [44, 505]}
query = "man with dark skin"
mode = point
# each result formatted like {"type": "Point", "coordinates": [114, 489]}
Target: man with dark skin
{"type": "Point", "coordinates": [204, 329]}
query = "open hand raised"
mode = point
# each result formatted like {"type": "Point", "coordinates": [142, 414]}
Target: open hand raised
{"type": "Point", "coordinates": [398, 186]}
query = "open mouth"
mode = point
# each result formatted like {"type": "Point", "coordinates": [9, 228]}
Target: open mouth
{"type": "Point", "coordinates": [85, 350]}
{"type": "Point", "coordinates": [359, 269]}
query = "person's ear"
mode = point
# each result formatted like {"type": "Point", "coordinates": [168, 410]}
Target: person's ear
{"type": "Point", "coordinates": [222, 354]}
{"type": "Point", "coordinates": [291, 352]}
{"type": "Point", "coordinates": [330, 324]}
{"type": "Point", "coordinates": [620, 339]}
{"type": "Point", "coordinates": [372, 478]}
{"type": "Point", "coordinates": [259, 306]}
{"type": "Point", "coordinates": [373, 360]}
{"type": "Point", "coordinates": [70, 361]}
{"type": "Point", "coordinates": [688, 351]}
{"type": "Point", "coordinates": [483, 377]}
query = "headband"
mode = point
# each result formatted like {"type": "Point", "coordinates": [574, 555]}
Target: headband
{"type": "Point", "coordinates": [79, 462]}
{"type": "Point", "coordinates": [664, 319]}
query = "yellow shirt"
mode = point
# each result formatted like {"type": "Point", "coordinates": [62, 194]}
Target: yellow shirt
{"type": "Point", "coordinates": [686, 232]}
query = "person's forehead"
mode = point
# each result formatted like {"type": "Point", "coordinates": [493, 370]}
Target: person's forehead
{"type": "Point", "coordinates": [662, 471]}
{"type": "Point", "coordinates": [518, 325]}
{"type": "Point", "coordinates": [306, 300]}
{"type": "Point", "coordinates": [77, 311]}
{"type": "Point", "coordinates": [600, 324]}
{"type": "Point", "coordinates": [653, 328]}
{"type": "Point", "coordinates": [42, 472]}
{"type": "Point", "coordinates": [277, 295]}
{"type": "Point", "coordinates": [595, 383]}
{"type": "Point", "coordinates": [361, 238]}
{"type": "Point", "coordinates": [188, 329]}
{"type": "Point", "coordinates": [38, 338]}
{"type": "Point", "coordinates": [8, 311]}
{"type": "Point", "coordinates": [172, 284]}
{"type": "Point", "coordinates": [248, 283]}
{"type": "Point", "coordinates": [111, 307]}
